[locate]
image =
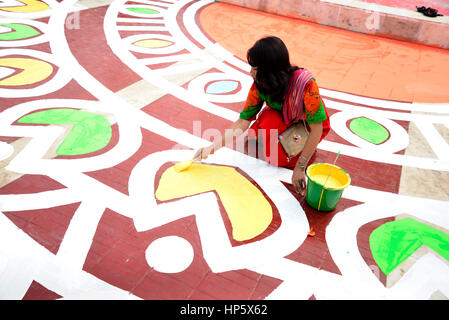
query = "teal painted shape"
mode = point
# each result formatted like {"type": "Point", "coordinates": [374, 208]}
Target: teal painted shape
{"type": "Point", "coordinates": [393, 242]}
{"type": "Point", "coordinates": [19, 32]}
{"type": "Point", "coordinates": [369, 130]}
{"type": "Point", "coordinates": [222, 86]}
{"type": "Point", "coordinates": [143, 10]}
{"type": "Point", "coordinates": [90, 132]}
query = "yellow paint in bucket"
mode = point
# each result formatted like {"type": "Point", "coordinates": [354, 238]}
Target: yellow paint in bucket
{"type": "Point", "coordinates": [332, 182]}
{"type": "Point", "coordinates": [329, 194]}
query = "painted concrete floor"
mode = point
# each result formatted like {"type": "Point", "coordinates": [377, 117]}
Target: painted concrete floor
{"type": "Point", "coordinates": [99, 99]}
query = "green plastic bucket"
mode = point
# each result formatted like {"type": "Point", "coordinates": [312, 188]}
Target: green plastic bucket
{"type": "Point", "coordinates": [325, 199]}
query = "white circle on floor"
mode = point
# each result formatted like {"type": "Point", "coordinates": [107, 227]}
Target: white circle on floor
{"type": "Point", "coordinates": [6, 150]}
{"type": "Point", "coordinates": [170, 254]}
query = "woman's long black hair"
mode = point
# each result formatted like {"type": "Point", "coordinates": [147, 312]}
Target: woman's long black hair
{"type": "Point", "coordinates": [270, 56]}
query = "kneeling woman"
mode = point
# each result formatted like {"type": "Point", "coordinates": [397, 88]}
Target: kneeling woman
{"type": "Point", "coordinates": [291, 96]}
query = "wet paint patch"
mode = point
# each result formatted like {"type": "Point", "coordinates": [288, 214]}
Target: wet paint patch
{"type": "Point", "coordinates": [143, 10]}
{"type": "Point", "coordinates": [393, 242]}
{"type": "Point", "coordinates": [369, 130]}
{"type": "Point", "coordinates": [90, 132]}
{"type": "Point", "coordinates": [18, 32]}
{"type": "Point", "coordinates": [222, 87]}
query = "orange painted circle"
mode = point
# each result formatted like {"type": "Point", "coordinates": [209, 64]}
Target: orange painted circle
{"type": "Point", "coordinates": [341, 60]}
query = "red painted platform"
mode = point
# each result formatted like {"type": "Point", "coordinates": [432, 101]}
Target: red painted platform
{"type": "Point", "coordinates": [391, 19]}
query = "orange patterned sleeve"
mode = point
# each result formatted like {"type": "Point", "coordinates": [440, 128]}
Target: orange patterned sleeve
{"type": "Point", "coordinates": [312, 103]}
{"type": "Point", "coordinates": [253, 104]}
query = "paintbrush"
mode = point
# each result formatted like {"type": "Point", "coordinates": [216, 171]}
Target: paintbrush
{"type": "Point", "coordinates": [327, 178]}
{"type": "Point", "coordinates": [185, 165]}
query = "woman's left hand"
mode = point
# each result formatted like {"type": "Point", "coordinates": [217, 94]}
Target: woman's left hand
{"type": "Point", "coordinates": [299, 173]}
{"type": "Point", "coordinates": [299, 181]}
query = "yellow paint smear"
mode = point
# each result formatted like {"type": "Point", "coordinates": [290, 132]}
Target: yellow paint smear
{"type": "Point", "coordinates": [33, 71]}
{"type": "Point", "coordinates": [29, 6]}
{"type": "Point", "coordinates": [249, 212]}
{"type": "Point", "coordinates": [153, 43]}
{"type": "Point", "coordinates": [184, 165]}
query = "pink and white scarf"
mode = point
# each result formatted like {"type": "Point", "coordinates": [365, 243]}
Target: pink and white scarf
{"type": "Point", "coordinates": [293, 103]}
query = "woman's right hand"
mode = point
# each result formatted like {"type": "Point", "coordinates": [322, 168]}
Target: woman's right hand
{"type": "Point", "coordinates": [203, 153]}
{"type": "Point", "coordinates": [234, 130]}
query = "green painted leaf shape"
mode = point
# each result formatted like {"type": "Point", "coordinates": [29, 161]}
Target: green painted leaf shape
{"type": "Point", "coordinates": [393, 242]}
{"type": "Point", "coordinates": [143, 10]}
{"type": "Point", "coordinates": [90, 131]}
{"type": "Point", "coordinates": [369, 130]}
{"type": "Point", "coordinates": [20, 32]}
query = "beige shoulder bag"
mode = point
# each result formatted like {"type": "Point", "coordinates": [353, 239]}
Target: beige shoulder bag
{"type": "Point", "coordinates": [294, 138]}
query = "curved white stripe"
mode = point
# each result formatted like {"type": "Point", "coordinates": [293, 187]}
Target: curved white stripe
{"type": "Point", "coordinates": [387, 104]}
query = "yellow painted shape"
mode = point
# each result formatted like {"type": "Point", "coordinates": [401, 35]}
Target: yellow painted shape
{"type": "Point", "coordinates": [248, 210]}
{"type": "Point", "coordinates": [33, 71]}
{"type": "Point", "coordinates": [29, 6]}
{"type": "Point", "coordinates": [153, 43]}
